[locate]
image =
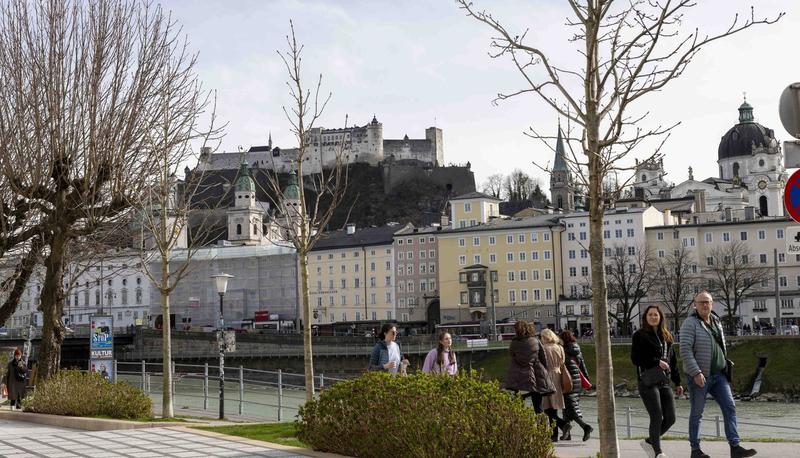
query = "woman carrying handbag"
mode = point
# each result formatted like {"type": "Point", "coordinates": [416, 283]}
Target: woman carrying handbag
{"type": "Point", "coordinates": [576, 368]}
{"type": "Point", "coordinates": [656, 364]}
{"type": "Point", "coordinates": [555, 367]}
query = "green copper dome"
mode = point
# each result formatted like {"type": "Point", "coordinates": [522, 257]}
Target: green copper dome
{"type": "Point", "coordinates": [292, 191]}
{"type": "Point", "coordinates": [245, 182]}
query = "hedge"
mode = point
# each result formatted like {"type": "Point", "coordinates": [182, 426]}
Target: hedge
{"type": "Point", "coordinates": [81, 394]}
{"type": "Point", "coordinates": [423, 415]}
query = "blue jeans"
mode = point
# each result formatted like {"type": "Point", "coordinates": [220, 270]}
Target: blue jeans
{"type": "Point", "coordinates": [718, 387]}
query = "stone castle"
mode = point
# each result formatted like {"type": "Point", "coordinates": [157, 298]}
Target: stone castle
{"type": "Point", "coordinates": [364, 144]}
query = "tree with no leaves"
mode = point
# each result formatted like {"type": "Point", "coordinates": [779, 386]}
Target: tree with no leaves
{"type": "Point", "coordinates": [677, 281]}
{"type": "Point", "coordinates": [630, 279]}
{"type": "Point", "coordinates": [307, 203]}
{"type": "Point", "coordinates": [732, 275]}
{"type": "Point", "coordinates": [87, 88]}
{"type": "Point", "coordinates": [493, 185]}
{"type": "Point", "coordinates": [627, 50]}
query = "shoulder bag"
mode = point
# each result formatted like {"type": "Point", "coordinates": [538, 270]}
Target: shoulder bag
{"type": "Point", "coordinates": [566, 379]}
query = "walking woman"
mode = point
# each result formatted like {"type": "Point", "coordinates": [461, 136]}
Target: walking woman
{"type": "Point", "coordinates": [386, 354]}
{"type": "Point", "coordinates": [576, 366]}
{"type": "Point", "coordinates": [555, 359]}
{"type": "Point", "coordinates": [527, 370]}
{"type": "Point", "coordinates": [442, 359]}
{"type": "Point", "coordinates": [656, 364]}
{"type": "Point", "coordinates": [15, 379]}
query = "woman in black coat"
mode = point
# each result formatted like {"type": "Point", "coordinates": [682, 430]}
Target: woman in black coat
{"type": "Point", "coordinates": [526, 371]}
{"type": "Point", "coordinates": [651, 348]}
{"type": "Point", "coordinates": [575, 365]}
{"type": "Point", "coordinates": [15, 379]}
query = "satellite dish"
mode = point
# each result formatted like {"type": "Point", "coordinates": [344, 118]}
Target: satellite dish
{"type": "Point", "coordinates": [789, 109]}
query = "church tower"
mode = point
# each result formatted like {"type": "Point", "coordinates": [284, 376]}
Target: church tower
{"type": "Point", "coordinates": [246, 218]}
{"type": "Point", "coordinates": [291, 202]}
{"type": "Point", "coordinates": [562, 190]}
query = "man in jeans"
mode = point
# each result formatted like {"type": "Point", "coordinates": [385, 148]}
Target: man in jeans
{"type": "Point", "coordinates": [703, 350]}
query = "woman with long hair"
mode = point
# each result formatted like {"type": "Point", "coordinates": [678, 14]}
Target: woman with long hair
{"type": "Point", "coordinates": [386, 354]}
{"type": "Point", "coordinates": [576, 366]}
{"type": "Point", "coordinates": [14, 379]}
{"type": "Point", "coordinates": [527, 372]}
{"type": "Point", "coordinates": [555, 359]}
{"type": "Point", "coordinates": [442, 359]}
{"type": "Point", "coordinates": [656, 364]}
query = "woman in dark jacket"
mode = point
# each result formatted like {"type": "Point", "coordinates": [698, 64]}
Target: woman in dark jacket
{"type": "Point", "coordinates": [526, 371]}
{"type": "Point", "coordinates": [651, 348]}
{"type": "Point", "coordinates": [15, 379]}
{"type": "Point", "coordinates": [575, 365]}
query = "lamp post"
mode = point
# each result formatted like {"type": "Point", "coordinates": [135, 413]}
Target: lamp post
{"type": "Point", "coordinates": [221, 281]}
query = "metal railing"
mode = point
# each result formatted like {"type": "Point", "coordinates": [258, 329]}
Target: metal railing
{"type": "Point", "coordinates": [252, 393]}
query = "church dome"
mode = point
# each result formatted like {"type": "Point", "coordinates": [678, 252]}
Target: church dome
{"type": "Point", "coordinates": [742, 138]}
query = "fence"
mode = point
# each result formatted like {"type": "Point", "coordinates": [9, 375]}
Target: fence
{"type": "Point", "coordinates": [250, 393]}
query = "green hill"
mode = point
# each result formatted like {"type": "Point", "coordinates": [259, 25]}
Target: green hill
{"type": "Point", "coordinates": [782, 373]}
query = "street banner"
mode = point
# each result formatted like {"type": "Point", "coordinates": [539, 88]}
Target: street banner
{"type": "Point", "coordinates": [101, 346]}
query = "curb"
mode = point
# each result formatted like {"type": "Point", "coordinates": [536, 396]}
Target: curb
{"type": "Point", "coordinates": [244, 440]}
{"type": "Point", "coordinates": [84, 423]}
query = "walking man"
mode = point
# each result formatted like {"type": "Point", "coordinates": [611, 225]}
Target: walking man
{"type": "Point", "coordinates": [703, 350]}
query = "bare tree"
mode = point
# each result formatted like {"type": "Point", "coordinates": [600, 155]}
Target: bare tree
{"type": "Point", "coordinates": [677, 281]}
{"type": "Point", "coordinates": [518, 186]}
{"type": "Point", "coordinates": [84, 95]}
{"type": "Point", "coordinates": [627, 51]}
{"type": "Point", "coordinates": [732, 274]}
{"type": "Point", "coordinates": [308, 201]}
{"type": "Point", "coordinates": [630, 278]}
{"type": "Point", "coordinates": [493, 185]}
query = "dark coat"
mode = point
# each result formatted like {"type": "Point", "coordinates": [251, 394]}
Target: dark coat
{"type": "Point", "coordinates": [573, 352]}
{"type": "Point", "coordinates": [15, 371]}
{"type": "Point", "coordinates": [527, 369]}
{"type": "Point", "coordinates": [646, 352]}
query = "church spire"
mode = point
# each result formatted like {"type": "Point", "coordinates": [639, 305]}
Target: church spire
{"type": "Point", "coordinates": [269, 144]}
{"type": "Point", "coordinates": [560, 163]}
{"type": "Point", "coordinates": [746, 112]}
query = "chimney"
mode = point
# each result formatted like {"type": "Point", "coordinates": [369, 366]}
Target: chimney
{"type": "Point", "coordinates": [667, 217]}
{"type": "Point", "coordinates": [351, 228]}
{"type": "Point", "coordinates": [445, 220]}
{"type": "Point", "coordinates": [699, 200]}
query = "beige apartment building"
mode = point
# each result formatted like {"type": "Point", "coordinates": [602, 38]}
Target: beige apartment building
{"type": "Point", "coordinates": [351, 275]}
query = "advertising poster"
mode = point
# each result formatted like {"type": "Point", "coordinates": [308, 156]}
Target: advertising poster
{"type": "Point", "coordinates": [101, 346]}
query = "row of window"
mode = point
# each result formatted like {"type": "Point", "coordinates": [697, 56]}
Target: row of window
{"type": "Point", "coordinates": [373, 283]}
{"type": "Point", "coordinates": [520, 238]}
{"type": "Point", "coordinates": [570, 309]}
{"type": "Point", "coordinates": [431, 254]}
{"type": "Point", "coordinates": [356, 254]}
{"type": "Point", "coordinates": [476, 298]}
{"type": "Point", "coordinates": [374, 316]}
{"type": "Point", "coordinates": [522, 256]}
{"type": "Point", "coordinates": [607, 234]}
{"type": "Point", "coordinates": [403, 269]}
{"type": "Point", "coordinates": [424, 285]}
{"type": "Point", "coordinates": [410, 240]}
{"type": "Point", "coordinates": [512, 276]}
{"type": "Point", "coordinates": [110, 296]}
{"type": "Point", "coordinates": [356, 268]}
{"type": "Point", "coordinates": [744, 236]}
{"type": "Point", "coordinates": [373, 299]}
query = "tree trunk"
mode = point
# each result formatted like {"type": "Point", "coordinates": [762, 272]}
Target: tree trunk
{"type": "Point", "coordinates": [52, 307]}
{"type": "Point", "coordinates": [167, 408]}
{"type": "Point", "coordinates": [308, 358]}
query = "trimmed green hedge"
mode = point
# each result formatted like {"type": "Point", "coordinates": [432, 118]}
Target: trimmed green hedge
{"type": "Point", "coordinates": [423, 415]}
{"type": "Point", "coordinates": [81, 394]}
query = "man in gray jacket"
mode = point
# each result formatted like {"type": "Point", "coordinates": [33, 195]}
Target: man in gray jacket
{"type": "Point", "coordinates": [703, 350]}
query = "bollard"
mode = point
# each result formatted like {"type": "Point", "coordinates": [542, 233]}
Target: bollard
{"type": "Point", "coordinates": [174, 387]}
{"type": "Point", "coordinates": [144, 383]}
{"type": "Point", "coordinates": [321, 381]}
{"type": "Point", "coordinates": [628, 421]}
{"type": "Point", "coordinates": [241, 390]}
{"type": "Point", "coordinates": [716, 422]}
{"type": "Point", "coordinates": [205, 386]}
{"type": "Point", "coordinates": [280, 395]}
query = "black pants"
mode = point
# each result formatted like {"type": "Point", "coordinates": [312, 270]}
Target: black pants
{"type": "Point", "coordinates": [560, 423]}
{"type": "Point", "coordinates": [660, 404]}
{"type": "Point", "coordinates": [536, 400]}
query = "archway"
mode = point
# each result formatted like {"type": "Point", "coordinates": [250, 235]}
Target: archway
{"type": "Point", "coordinates": [433, 315]}
{"type": "Point", "coordinates": [762, 206]}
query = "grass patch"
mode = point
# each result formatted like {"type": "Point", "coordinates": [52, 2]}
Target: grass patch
{"type": "Point", "coordinates": [277, 433]}
{"type": "Point", "coordinates": [781, 375]}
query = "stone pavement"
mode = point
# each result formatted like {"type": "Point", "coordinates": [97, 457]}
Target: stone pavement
{"type": "Point", "coordinates": [675, 449]}
{"type": "Point", "coordinates": [20, 439]}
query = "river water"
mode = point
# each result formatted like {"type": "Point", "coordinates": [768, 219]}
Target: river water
{"type": "Point", "coordinates": [779, 420]}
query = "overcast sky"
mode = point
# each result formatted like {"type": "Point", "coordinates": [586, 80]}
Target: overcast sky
{"type": "Point", "coordinates": [415, 64]}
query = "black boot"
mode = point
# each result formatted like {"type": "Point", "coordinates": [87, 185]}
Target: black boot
{"type": "Point", "coordinates": [587, 431]}
{"type": "Point", "coordinates": [566, 435]}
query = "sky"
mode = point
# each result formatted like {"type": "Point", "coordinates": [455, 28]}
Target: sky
{"type": "Point", "coordinates": [419, 63]}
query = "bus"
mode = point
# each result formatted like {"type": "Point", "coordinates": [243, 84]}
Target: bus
{"type": "Point", "coordinates": [467, 330]}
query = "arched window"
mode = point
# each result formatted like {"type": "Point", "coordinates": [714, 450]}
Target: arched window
{"type": "Point", "coordinates": [762, 205]}
{"type": "Point", "coordinates": [238, 229]}
{"type": "Point", "coordinates": [559, 202]}
{"type": "Point", "coordinates": [255, 229]}
{"type": "Point", "coordinates": [644, 177]}
{"type": "Point", "coordinates": [735, 169]}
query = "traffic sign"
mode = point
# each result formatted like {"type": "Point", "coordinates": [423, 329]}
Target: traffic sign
{"type": "Point", "coordinates": [791, 196]}
{"type": "Point", "coordinates": [792, 237]}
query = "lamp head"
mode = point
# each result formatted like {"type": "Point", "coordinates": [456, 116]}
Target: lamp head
{"type": "Point", "coordinates": [221, 282]}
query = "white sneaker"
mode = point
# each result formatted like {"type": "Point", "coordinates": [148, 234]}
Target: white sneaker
{"type": "Point", "coordinates": [661, 455]}
{"type": "Point", "coordinates": [648, 449]}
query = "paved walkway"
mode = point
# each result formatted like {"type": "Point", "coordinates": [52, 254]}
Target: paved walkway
{"type": "Point", "coordinates": [675, 449]}
{"type": "Point", "coordinates": [21, 439]}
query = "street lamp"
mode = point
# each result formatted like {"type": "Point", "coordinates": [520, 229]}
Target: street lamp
{"type": "Point", "coordinates": [221, 281]}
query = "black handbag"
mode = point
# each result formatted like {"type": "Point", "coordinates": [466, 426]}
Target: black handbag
{"type": "Point", "coordinates": [654, 376]}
